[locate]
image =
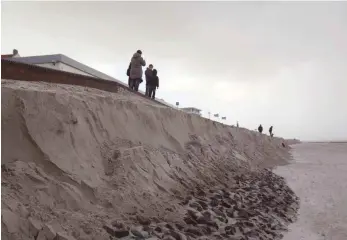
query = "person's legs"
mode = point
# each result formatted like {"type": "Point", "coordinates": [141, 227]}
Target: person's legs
{"type": "Point", "coordinates": [136, 85]}
{"type": "Point", "coordinates": [153, 92]}
{"type": "Point", "coordinates": [131, 84]}
{"type": "Point", "coordinates": [150, 91]}
{"type": "Point", "coordinates": [147, 90]}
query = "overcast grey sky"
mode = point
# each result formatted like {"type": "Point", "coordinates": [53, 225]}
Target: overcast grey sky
{"type": "Point", "coordinates": [276, 63]}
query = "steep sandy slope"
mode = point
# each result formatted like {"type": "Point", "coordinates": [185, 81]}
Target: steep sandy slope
{"type": "Point", "coordinates": [77, 158]}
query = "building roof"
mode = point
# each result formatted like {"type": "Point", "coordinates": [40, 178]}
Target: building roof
{"type": "Point", "coordinates": [66, 60]}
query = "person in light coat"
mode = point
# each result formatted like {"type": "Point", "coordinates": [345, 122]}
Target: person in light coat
{"type": "Point", "coordinates": [136, 72]}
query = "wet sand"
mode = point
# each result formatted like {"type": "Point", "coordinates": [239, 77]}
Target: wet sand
{"type": "Point", "coordinates": [318, 175]}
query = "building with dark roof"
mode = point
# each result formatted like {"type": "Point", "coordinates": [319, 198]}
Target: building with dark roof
{"type": "Point", "coordinates": [64, 63]}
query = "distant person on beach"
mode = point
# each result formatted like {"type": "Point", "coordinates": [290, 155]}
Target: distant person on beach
{"type": "Point", "coordinates": [137, 62]}
{"type": "Point", "coordinates": [153, 84]}
{"type": "Point", "coordinates": [260, 128]}
{"type": "Point", "coordinates": [270, 131]}
{"type": "Point", "coordinates": [148, 75]}
{"type": "Point", "coordinates": [237, 124]}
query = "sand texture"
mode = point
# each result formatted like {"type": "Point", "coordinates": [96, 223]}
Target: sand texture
{"type": "Point", "coordinates": [318, 175]}
{"type": "Point", "coordinates": [80, 163]}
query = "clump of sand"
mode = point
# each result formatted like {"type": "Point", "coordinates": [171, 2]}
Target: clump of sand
{"type": "Point", "coordinates": [75, 160]}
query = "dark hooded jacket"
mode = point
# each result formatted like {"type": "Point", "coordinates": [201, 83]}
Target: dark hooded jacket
{"type": "Point", "coordinates": [137, 62]}
{"type": "Point", "coordinates": [154, 80]}
{"type": "Point", "coordinates": [260, 128]}
{"type": "Point", "coordinates": [148, 74]}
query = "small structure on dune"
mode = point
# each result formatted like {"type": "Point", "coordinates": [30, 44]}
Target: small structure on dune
{"type": "Point", "coordinates": [192, 110]}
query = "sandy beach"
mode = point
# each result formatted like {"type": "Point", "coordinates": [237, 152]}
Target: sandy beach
{"type": "Point", "coordinates": [318, 175]}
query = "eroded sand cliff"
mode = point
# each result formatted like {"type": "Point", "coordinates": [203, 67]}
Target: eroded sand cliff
{"type": "Point", "coordinates": [81, 163]}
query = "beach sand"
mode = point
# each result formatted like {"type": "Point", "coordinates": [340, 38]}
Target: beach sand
{"type": "Point", "coordinates": [318, 175]}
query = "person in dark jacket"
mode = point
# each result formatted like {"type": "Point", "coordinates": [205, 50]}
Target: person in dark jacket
{"type": "Point", "coordinates": [148, 75]}
{"type": "Point", "coordinates": [260, 128]}
{"type": "Point", "coordinates": [270, 131]}
{"type": "Point", "coordinates": [137, 62]}
{"type": "Point", "coordinates": [153, 84]}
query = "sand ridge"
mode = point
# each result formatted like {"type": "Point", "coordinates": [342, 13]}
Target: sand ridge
{"type": "Point", "coordinates": [78, 158]}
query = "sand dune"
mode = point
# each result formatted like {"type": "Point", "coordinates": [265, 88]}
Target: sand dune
{"type": "Point", "coordinates": [79, 159]}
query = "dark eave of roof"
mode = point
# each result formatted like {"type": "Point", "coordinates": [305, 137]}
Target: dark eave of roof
{"type": "Point", "coordinates": [3, 56]}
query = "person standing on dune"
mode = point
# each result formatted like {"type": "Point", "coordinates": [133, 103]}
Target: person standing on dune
{"type": "Point", "coordinates": [148, 75]}
{"type": "Point", "coordinates": [153, 84]}
{"type": "Point", "coordinates": [270, 131]}
{"type": "Point", "coordinates": [260, 128]}
{"type": "Point", "coordinates": [137, 62]}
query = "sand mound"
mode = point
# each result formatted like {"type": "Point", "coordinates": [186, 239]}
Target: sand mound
{"type": "Point", "coordinates": [79, 159]}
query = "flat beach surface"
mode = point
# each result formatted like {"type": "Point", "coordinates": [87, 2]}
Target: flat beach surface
{"type": "Point", "coordinates": [318, 175]}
